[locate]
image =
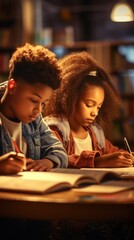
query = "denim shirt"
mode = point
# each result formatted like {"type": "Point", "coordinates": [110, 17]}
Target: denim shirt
{"type": "Point", "coordinates": [41, 143]}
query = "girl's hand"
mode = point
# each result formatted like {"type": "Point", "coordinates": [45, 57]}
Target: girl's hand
{"type": "Point", "coordinates": [133, 157]}
{"type": "Point", "coordinates": [117, 159]}
{"type": "Point", "coordinates": [12, 162]}
{"type": "Point", "coordinates": [39, 165]}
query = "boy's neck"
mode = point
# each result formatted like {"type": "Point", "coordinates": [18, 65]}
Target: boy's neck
{"type": "Point", "coordinates": [6, 110]}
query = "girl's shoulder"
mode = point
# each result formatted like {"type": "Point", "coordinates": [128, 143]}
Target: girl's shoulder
{"type": "Point", "coordinates": [61, 124]}
{"type": "Point", "coordinates": [99, 133]}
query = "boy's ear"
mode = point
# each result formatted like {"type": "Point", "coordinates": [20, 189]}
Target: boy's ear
{"type": "Point", "coordinates": [11, 85]}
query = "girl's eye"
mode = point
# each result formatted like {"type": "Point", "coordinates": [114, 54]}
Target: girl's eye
{"type": "Point", "coordinates": [89, 105]}
{"type": "Point", "coordinates": [98, 109]}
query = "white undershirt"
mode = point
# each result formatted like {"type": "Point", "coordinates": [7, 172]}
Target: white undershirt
{"type": "Point", "coordinates": [15, 132]}
{"type": "Point", "coordinates": [83, 144]}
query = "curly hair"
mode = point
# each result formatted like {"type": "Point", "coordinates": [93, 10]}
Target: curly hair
{"type": "Point", "coordinates": [35, 64]}
{"type": "Point", "coordinates": [75, 68]}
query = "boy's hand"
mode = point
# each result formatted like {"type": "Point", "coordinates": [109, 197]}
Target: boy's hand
{"type": "Point", "coordinates": [117, 159]}
{"type": "Point", "coordinates": [12, 162]}
{"type": "Point", "coordinates": [39, 165]}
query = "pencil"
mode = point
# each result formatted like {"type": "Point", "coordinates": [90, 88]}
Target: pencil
{"type": "Point", "coordinates": [127, 145]}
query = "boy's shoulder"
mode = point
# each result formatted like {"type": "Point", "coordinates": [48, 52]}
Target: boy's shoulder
{"type": "Point", "coordinates": [35, 125]}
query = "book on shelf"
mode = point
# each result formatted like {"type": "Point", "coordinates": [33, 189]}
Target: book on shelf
{"type": "Point", "coordinates": [59, 180]}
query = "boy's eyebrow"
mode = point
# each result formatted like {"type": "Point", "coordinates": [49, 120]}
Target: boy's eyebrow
{"type": "Point", "coordinates": [37, 95]}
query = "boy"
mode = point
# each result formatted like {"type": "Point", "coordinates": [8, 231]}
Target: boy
{"type": "Point", "coordinates": [33, 75]}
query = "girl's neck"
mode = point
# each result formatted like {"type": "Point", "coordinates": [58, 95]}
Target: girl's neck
{"type": "Point", "coordinates": [77, 130]}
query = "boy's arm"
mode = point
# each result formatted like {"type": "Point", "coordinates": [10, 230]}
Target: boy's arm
{"type": "Point", "coordinates": [51, 147]}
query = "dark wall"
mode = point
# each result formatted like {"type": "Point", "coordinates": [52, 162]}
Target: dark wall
{"type": "Point", "coordinates": [89, 18]}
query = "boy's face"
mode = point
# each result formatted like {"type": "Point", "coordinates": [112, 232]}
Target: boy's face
{"type": "Point", "coordinates": [26, 101]}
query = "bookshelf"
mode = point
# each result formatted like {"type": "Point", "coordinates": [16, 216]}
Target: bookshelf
{"type": "Point", "coordinates": [117, 58]}
{"type": "Point", "coordinates": [8, 38]}
{"type": "Point", "coordinates": [16, 28]}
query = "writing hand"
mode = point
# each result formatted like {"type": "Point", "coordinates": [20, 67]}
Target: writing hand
{"type": "Point", "coordinates": [39, 165]}
{"type": "Point", "coordinates": [117, 159]}
{"type": "Point", "coordinates": [12, 162]}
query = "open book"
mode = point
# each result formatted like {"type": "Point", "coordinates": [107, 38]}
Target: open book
{"type": "Point", "coordinates": [124, 173]}
{"type": "Point", "coordinates": [56, 180]}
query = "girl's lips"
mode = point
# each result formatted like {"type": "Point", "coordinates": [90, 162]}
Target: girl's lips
{"type": "Point", "coordinates": [90, 120]}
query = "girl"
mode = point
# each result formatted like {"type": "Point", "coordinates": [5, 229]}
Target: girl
{"type": "Point", "coordinates": [85, 100]}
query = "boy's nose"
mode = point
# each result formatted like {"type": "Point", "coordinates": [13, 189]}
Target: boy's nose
{"type": "Point", "coordinates": [38, 109]}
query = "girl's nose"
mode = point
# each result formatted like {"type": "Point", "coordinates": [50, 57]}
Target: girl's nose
{"type": "Point", "coordinates": [94, 112]}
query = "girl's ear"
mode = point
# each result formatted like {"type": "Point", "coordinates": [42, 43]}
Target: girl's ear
{"type": "Point", "coordinates": [11, 85]}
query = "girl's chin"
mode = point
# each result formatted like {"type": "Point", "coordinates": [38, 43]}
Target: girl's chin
{"type": "Point", "coordinates": [86, 124]}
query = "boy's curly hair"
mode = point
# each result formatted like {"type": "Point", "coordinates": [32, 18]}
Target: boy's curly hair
{"type": "Point", "coordinates": [75, 69]}
{"type": "Point", "coordinates": [35, 64]}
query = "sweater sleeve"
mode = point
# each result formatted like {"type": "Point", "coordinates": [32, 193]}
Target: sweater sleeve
{"type": "Point", "coordinates": [84, 160]}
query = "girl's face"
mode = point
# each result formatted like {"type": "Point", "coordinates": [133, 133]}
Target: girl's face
{"type": "Point", "coordinates": [88, 105]}
{"type": "Point", "coordinates": [26, 101]}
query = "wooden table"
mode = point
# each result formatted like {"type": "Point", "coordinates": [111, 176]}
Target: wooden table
{"type": "Point", "coordinates": [68, 205]}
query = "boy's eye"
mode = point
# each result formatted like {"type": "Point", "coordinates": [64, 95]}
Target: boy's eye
{"type": "Point", "coordinates": [34, 101]}
{"type": "Point", "coordinates": [43, 104]}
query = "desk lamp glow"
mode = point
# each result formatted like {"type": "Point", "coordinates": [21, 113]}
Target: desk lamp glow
{"type": "Point", "coordinates": [122, 12]}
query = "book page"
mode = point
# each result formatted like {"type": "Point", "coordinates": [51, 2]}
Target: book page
{"type": "Point", "coordinates": [107, 187]}
{"type": "Point", "coordinates": [126, 172]}
{"type": "Point", "coordinates": [92, 174]}
{"type": "Point", "coordinates": [28, 181]}
{"type": "Point", "coordinates": [75, 178]}
{"type": "Point", "coordinates": [31, 185]}
{"type": "Point", "coordinates": [42, 182]}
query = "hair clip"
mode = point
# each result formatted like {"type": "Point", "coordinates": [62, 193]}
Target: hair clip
{"type": "Point", "coordinates": [92, 73]}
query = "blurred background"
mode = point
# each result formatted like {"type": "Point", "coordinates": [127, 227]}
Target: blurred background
{"type": "Point", "coordinates": [75, 25]}
{"type": "Point", "coordinates": [90, 19]}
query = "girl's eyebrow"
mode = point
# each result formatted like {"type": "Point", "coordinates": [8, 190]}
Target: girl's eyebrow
{"type": "Point", "coordinates": [91, 100]}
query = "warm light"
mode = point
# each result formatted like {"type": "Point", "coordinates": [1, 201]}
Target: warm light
{"type": "Point", "coordinates": [122, 12]}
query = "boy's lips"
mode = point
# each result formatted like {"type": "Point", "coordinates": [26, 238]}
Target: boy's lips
{"type": "Point", "coordinates": [33, 117]}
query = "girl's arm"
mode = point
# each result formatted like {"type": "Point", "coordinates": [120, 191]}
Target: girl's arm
{"type": "Point", "coordinates": [85, 159]}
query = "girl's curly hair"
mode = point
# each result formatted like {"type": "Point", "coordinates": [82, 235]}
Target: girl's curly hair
{"type": "Point", "coordinates": [75, 76]}
{"type": "Point", "coordinates": [35, 64]}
